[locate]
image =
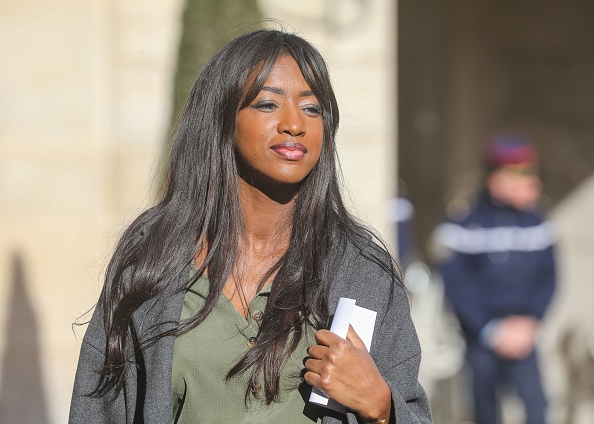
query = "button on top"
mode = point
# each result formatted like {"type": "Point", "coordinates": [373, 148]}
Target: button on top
{"type": "Point", "coordinates": [251, 341]}
{"type": "Point", "coordinates": [258, 315]}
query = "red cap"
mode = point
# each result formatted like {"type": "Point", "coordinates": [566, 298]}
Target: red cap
{"type": "Point", "coordinates": [504, 150]}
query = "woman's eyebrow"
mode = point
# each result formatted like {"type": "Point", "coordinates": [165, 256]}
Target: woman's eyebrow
{"type": "Point", "coordinates": [276, 90]}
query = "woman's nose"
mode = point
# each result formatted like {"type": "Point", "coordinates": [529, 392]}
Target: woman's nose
{"type": "Point", "coordinates": [291, 121]}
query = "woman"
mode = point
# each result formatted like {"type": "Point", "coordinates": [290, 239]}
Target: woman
{"type": "Point", "coordinates": [216, 299]}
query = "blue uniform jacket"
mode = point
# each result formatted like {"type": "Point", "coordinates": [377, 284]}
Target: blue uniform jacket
{"type": "Point", "coordinates": [496, 262]}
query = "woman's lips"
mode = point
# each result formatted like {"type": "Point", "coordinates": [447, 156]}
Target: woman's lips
{"type": "Point", "coordinates": [290, 150]}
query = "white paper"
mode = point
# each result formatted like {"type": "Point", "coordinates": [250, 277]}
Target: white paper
{"type": "Point", "coordinates": [363, 321]}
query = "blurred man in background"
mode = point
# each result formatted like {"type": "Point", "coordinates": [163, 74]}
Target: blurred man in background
{"type": "Point", "coordinates": [498, 269]}
{"type": "Point", "coordinates": [402, 213]}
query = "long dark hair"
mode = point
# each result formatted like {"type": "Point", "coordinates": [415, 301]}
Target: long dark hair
{"type": "Point", "coordinates": [200, 207]}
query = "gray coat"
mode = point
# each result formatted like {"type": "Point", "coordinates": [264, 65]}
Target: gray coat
{"type": "Point", "coordinates": [147, 394]}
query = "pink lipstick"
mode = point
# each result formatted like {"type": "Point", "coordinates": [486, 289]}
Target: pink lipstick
{"type": "Point", "coordinates": [290, 150]}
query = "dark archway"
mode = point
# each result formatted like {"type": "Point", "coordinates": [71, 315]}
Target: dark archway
{"type": "Point", "coordinates": [467, 69]}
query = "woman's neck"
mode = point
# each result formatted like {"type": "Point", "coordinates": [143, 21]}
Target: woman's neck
{"type": "Point", "coordinates": [267, 222]}
{"type": "Point", "coordinates": [265, 239]}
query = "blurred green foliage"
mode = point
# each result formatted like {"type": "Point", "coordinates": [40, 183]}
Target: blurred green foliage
{"type": "Point", "coordinates": [207, 25]}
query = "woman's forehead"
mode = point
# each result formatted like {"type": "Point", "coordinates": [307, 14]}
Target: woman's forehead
{"type": "Point", "coordinates": [261, 72]}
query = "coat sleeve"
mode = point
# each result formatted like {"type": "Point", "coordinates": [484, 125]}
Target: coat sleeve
{"type": "Point", "coordinates": [395, 347]}
{"type": "Point", "coordinates": [398, 357]}
{"type": "Point", "coordinates": [84, 407]}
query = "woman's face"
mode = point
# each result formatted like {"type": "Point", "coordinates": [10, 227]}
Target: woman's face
{"type": "Point", "coordinates": [278, 136]}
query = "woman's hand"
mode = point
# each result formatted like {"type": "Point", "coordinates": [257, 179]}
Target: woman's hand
{"type": "Point", "coordinates": [345, 371]}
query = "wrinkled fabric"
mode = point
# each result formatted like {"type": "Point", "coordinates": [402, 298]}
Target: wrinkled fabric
{"type": "Point", "coordinates": [363, 275]}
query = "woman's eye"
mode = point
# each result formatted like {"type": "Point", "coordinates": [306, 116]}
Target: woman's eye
{"type": "Point", "coordinates": [265, 106]}
{"type": "Point", "coordinates": [312, 110]}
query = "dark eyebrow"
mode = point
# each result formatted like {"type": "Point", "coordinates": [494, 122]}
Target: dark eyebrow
{"type": "Point", "coordinates": [277, 90]}
{"type": "Point", "coordinates": [273, 90]}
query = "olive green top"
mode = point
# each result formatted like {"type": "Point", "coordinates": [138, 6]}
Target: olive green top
{"type": "Point", "coordinates": [203, 356]}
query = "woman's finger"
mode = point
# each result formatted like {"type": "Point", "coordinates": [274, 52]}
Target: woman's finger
{"type": "Point", "coordinates": [327, 337]}
{"type": "Point", "coordinates": [313, 379]}
{"type": "Point", "coordinates": [317, 351]}
{"type": "Point", "coordinates": [315, 366]}
{"type": "Point", "coordinates": [354, 338]}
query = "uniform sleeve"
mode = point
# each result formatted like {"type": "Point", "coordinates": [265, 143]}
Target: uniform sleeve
{"type": "Point", "coordinates": [543, 287]}
{"type": "Point", "coordinates": [463, 294]}
{"type": "Point", "coordinates": [459, 273]}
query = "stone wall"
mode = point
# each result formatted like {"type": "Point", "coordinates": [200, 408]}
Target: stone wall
{"type": "Point", "coordinates": [85, 91]}
{"type": "Point", "coordinates": [358, 40]}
